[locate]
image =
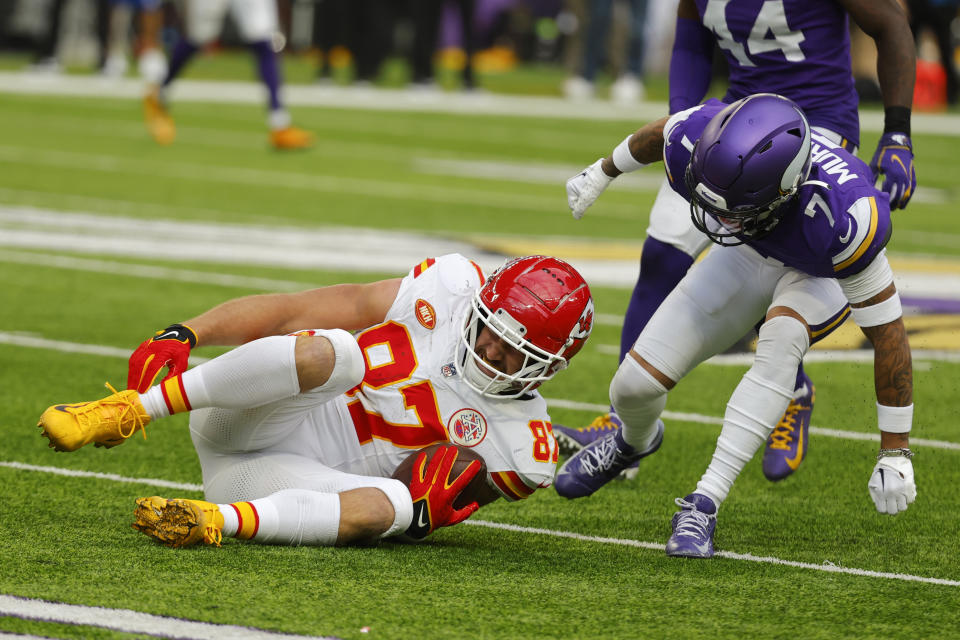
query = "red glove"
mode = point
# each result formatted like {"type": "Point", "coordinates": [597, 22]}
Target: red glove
{"type": "Point", "coordinates": [433, 493]}
{"type": "Point", "coordinates": [168, 348]}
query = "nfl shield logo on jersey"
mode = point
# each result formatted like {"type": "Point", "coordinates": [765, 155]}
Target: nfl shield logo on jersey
{"type": "Point", "coordinates": [467, 427]}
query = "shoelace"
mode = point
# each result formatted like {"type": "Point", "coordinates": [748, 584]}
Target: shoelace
{"type": "Point", "coordinates": [211, 533]}
{"type": "Point", "coordinates": [782, 434]}
{"type": "Point", "coordinates": [600, 456]}
{"type": "Point", "coordinates": [692, 523]}
{"type": "Point", "coordinates": [601, 423]}
{"type": "Point", "coordinates": [94, 418]}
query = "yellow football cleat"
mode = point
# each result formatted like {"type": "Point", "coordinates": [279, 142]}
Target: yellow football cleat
{"type": "Point", "coordinates": [159, 123]}
{"type": "Point", "coordinates": [106, 422]}
{"type": "Point", "coordinates": [179, 522]}
{"type": "Point", "coordinates": [290, 138]}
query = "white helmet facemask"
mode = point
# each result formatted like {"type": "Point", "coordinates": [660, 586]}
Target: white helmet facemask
{"type": "Point", "coordinates": [538, 365]}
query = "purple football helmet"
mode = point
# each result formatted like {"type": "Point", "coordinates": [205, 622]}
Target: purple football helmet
{"type": "Point", "coordinates": [749, 161]}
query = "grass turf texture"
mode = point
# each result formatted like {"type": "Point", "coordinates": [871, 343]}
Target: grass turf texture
{"type": "Point", "coordinates": [68, 539]}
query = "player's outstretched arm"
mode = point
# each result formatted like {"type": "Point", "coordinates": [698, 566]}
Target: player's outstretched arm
{"type": "Point", "coordinates": [343, 306]}
{"type": "Point", "coordinates": [238, 321]}
{"type": "Point", "coordinates": [891, 484]}
{"type": "Point", "coordinates": [639, 149]}
{"type": "Point", "coordinates": [892, 163]}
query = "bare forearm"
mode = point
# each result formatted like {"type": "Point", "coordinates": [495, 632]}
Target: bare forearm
{"type": "Point", "coordinates": [892, 373]}
{"type": "Point", "coordinates": [646, 146]}
{"type": "Point", "coordinates": [244, 319]}
{"type": "Point", "coordinates": [886, 23]}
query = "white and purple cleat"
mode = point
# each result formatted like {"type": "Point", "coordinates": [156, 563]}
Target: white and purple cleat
{"type": "Point", "coordinates": [693, 527]}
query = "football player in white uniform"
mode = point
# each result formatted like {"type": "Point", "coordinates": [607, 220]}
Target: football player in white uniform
{"type": "Point", "coordinates": [203, 19]}
{"type": "Point", "coordinates": [299, 431]}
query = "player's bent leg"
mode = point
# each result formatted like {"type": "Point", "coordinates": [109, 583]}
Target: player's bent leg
{"type": "Point", "coordinates": [328, 360]}
{"type": "Point", "coordinates": [756, 403]}
{"type": "Point", "coordinates": [642, 397]}
{"type": "Point", "coordinates": [787, 445]}
{"type": "Point", "coordinates": [662, 266]}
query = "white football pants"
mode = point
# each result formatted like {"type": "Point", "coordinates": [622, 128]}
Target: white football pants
{"type": "Point", "coordinates": [255, 19]}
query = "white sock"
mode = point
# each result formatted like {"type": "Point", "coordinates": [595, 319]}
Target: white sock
{"type": "Point", "coordinates": [292, 517]}
{"type": "Point", "coordinates": [638, 399]}
{"type": "Point", "coordinates": [757, 404]}
{"type": "Point", "coordinates": [251, 375]}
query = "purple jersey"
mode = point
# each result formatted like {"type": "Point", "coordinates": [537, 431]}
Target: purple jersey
{"type": "Point", "coordinates": [833, 227]}
{"type": "Point", "coordinates": [797, 48]}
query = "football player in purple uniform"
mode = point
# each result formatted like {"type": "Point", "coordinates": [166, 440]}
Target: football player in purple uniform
{"type": "Point", "coordinates": [256, 21]}
{"type": "Point", "coordinates": [799, 232]}
{"type": "Point", "coordinates": [799, 49]}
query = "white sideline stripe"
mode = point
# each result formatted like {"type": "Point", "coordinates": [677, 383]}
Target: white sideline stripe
{"type": "Point", "coordinates": [517, 528]}
{"type": "Point", "coordinates": [479, 103]}
{"type": "Point", "coordinates": [862, 356]}
{"type": "Point", "coordinates": [128, 621]}
{"type": "Point", "coordinates": [151, 271]}
{"type": "Point", "coordinates": [828, 567]}
{"type": "Point", "coordinates": [116, 352]}
{"type": "Point", "coordinates": [76, 473]}
{"type": "Point", "coordinates": [19, 340]}
{"type": "Point", "coordinates": [702, 419]}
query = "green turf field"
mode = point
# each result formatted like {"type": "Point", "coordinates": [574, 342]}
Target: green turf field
{"type": "Point", "coordinates": [805, 558]}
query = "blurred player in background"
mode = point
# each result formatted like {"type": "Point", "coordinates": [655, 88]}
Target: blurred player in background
{"type": "Point", "coordinates": [150, 59]}
{"type": "Point", "coordinates": [799, 49]}
{"type": "Point", "coordinates": [257, 22]}
{"type": "Point", "coordinates": [799, 233]}
{"type": "Point", "coordinates": [298, 434]}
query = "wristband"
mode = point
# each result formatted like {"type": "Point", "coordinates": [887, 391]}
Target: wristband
{"type": "Point", "coordinates": [623, 159]}
{"type": "Point", "coordinates": [896, 120]}
{"type": "Point", "coordinates": [180, 333]}
{"type": "Point", "coordinates": [878, 314]}
{"type": "Point", "coordinates": [902, 452]}
{"type": "Point", "coordinates": [895, 419]}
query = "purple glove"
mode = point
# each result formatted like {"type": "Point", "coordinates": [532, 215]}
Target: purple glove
{"type": "Point", "coordinates": [893, 160]}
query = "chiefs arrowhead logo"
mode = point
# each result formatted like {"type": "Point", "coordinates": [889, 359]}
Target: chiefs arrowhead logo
{"type": "Point", "coordinates": [581, 330]}
{"type": "Point", "coordinates": [425, 313]}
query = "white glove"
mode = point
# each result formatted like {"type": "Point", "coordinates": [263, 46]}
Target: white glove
{"type": "Point", "coordinates": [891, 485]}
{"type": "Point", "coordinates": [584, 188]}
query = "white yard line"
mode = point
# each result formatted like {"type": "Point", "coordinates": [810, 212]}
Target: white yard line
{"type": "Point", "coordinates": [334, 248]}
{"type": "Point", "coordinates": [127, 621]}
{"type": "Point", "coordinates": [21, 340]}
{"type": "Point", "coordinates": [828, 567]}
{"type": "Point", "coordinates": [475, 103]}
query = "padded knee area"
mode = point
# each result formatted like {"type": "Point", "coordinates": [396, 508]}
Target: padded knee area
{"type": "Point", "coordinates": [399, 497]}
{"type": "Point", "coordinates": [349, 366]}
{"type": "Point", "coordinates": [781, 344]}
{"type": "Point", "coordinates": [639, 399]}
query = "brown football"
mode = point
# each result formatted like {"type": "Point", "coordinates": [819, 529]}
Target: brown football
{"type": "Point", "coordinates": [477, 491]}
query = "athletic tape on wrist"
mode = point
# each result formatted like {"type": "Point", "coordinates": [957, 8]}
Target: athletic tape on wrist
{"type": "Point", "coordinates": [623, 159]}
{"type": "Point", "coordinates": [894, 419]}
{"type": "Point", "coordinates": [878, 314]}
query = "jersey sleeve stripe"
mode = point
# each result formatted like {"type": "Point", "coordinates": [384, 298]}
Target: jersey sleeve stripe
{"type": "Point", "coordinates": [510, 485]}
{"type": "Point", "coordinates": [821, 331]}
{"type": "Point", "coordinates": [867, 240]}
{"type": "Point", "coordinates": [423, 266]}
{"type": "Point", "coordinates": [483, 279]}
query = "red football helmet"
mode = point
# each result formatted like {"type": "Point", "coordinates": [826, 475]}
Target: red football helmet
{"type": "Point", "coordinates": [538, 305]}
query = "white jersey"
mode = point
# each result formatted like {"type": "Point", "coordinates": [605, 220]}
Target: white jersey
{"type": "Point", "coordinates": [413, 395]}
